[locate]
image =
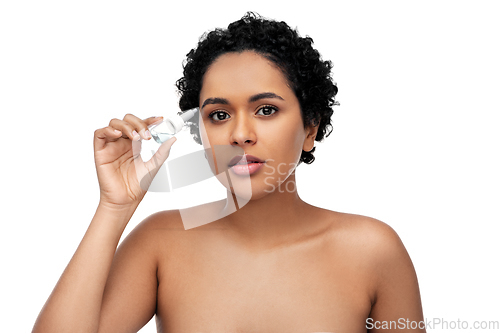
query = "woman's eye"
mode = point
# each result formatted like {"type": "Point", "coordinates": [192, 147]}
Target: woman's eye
{"type": "Point", "coordinates": [219, 115]}
{"type": "Point", "coordinates": [267, 110]}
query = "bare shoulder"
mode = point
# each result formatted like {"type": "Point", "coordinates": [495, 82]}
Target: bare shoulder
{"type": "Point", "coordinates": [152, 232]}
{"type": "Point", "coordinates": [190, 218]}
{"type": "Point", "coordinates": [163, 220]}
{"type": "Point", "coordinates": [366, 235]}
{"type": "Point", "coordinates": [161, 223]}
{"type": "Point", "coordinates": [378, 254]}
{"type": "Point", "coordinates": [370, 243]}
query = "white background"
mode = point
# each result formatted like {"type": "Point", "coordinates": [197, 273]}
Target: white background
{"type": "Point", "coordinates": [415, 140]}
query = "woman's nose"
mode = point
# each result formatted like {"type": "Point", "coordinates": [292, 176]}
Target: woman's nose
{"type": "Point", "coordinates": [243, 132]}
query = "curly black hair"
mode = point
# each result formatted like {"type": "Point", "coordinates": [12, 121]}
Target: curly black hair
{"type": "Point", "coordinates": [308, 75]}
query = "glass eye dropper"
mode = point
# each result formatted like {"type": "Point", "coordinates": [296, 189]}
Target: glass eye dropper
{"type": "Point", "coordinates": [172, 125]}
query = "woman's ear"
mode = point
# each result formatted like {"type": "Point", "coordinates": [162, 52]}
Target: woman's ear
{"type": "Point", "coordinates": [311, 132]}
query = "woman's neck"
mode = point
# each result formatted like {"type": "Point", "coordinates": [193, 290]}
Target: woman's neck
{"type": "Point", "coordinates": [278, 218]}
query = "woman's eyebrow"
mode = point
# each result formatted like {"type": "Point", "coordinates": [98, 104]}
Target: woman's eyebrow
{"type": "Point", "coordinates": [215, 100]}
{"type": "Point", "coordinates": [255, 98]}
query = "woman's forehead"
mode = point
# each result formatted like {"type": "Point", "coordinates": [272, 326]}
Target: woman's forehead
{"type": "Point", "coordinates": [245, 73]}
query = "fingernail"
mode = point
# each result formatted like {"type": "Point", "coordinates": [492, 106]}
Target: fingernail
{"type": "Point", "coordinates": [136, 136]}
{"type": "Point", "coordinates": [145, 134]}
{"type": "Point", "coordinates": [117, 131]}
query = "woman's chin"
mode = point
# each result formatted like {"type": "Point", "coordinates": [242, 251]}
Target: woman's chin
{"type": "Point", "coordinates": [245, 194]}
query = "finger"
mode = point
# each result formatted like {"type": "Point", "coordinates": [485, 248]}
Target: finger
{"type": "Point", "coordinates": [104, 135]}
{"type": "Point", "coordinates": [153, 120]}
{"type": "Point", "coordinates": [141, 126]}
{"type": "Point", "coordinates": [154, 164]}
{"type": "Point", "coordinates": [128, 130]}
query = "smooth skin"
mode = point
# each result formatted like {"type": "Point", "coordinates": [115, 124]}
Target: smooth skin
{"type": "Point", "coordinates": [278, 264]}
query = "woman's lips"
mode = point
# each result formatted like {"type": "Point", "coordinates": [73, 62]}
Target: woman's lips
{"type": "Point", "coordinates": [244, 159]}
{"type": "Point", "coordinates": [245, 165]}
{"type": "Point", "coordinates": [246, 169]}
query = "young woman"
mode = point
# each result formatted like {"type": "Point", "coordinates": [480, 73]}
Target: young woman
{"type": "Point", "coordinates": [273, 264]}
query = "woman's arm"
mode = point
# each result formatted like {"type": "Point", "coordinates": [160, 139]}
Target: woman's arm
{"type": "Point", "coordinates": [397, 306]}
{"type": "Point", "coordinates": [130, 296]}
{"type": "Point", "coordinates": [76, 302]}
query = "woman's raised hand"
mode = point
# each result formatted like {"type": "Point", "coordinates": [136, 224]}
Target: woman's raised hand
{"type": "Point", "coordinates": [122, 174]}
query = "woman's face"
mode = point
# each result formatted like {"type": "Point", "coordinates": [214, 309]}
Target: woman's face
{"type": "Point", "coordinates": [246, 103]}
